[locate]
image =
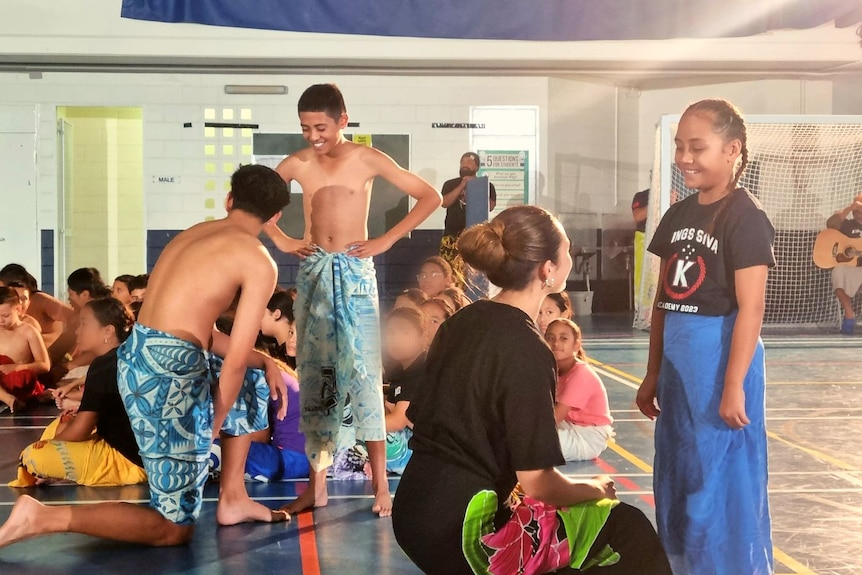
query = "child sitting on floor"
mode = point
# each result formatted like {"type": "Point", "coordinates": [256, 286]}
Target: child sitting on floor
{"type": "Point", "coordinates": [24, 299]}
{"type": "Point", "coordinates": [96, 446]}
{"type": "Point", "coordinates": [555, 305]}
{"type": "Point", "coordinates": [434, 276]}
{"type": "Point", "coordinates": [583, 416]}
{"type": "Point", "coordinates": [276, 453]}
{"type": "Point", "coordinates": [405, 343]}
{"type": "Point", "coordinates": [456, 298]}
{"type": "Point", "coordinates": [411, 297]}
{"type": "Point", "coordinates": [437, 310]}
{"type": "Point", "coordinates": [23, 355]}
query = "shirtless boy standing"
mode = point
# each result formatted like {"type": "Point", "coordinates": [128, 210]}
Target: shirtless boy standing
{"type": "Point", "coordinates": [164, 378]}
{"type": "Point", "coordinates": [23, 355]}
{"type": "Point", "coordinates": [337, 315]}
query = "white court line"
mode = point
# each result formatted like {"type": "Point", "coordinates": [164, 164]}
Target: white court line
{"type": "Point", "coordinates": [617, 378]}
{"type": "Point", "coordinates": [370, 497]}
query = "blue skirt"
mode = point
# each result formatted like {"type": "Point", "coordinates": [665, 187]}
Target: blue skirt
{"type": "Point", "coordinates": [710, 480]}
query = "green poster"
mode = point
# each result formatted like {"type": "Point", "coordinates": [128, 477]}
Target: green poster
{"type": "Point", "coordinates": [509, 171]}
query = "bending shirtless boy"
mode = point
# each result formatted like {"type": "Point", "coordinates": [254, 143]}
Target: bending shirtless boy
{"type": "Point", "coordinates": [337, 316]}
{"type": "Point", "coordinates": [164, 378]}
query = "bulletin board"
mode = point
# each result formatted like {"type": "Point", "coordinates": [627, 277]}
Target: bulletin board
{"type": "Point", "coordinates": [388, 204]}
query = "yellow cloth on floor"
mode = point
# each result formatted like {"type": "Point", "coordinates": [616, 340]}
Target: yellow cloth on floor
{"type": "Point", "coordinates": [92, 462]}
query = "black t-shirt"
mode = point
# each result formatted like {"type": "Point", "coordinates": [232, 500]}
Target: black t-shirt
{"type": "Point", "coordinates": [704, 245]}
{"type": "Point", "coordinates": [486, 407]}
{"type": "Point", "coordinates": [641, 200]}
{"type": "Point", "coordinates": [404, 383]}
{"type": "Point", "coordinates": [456, 214]}
{"type": "Point", "coordinates": [102, 396]}
{"type": "Point", "coordinates": [852, 229]}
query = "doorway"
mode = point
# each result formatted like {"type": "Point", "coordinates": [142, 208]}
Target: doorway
{"type": "Point", "coordinates": [100, 192]}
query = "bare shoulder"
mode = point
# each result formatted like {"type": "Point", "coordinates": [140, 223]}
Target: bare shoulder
{"type": "Point", "coordinates": [289, 167]}
{"type": "Point", "coordinates": [375, 159]}
{"type": "Point", "coordinates": [28, 332]}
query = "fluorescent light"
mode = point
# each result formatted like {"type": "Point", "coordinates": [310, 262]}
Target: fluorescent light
{"type": "Point", "coordinates": [252, 89]}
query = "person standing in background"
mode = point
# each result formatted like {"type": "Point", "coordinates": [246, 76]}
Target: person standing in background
{"type": "Point", "coordinates": [454, 200]}
{"type": "Point", "coordinates": [640, 205]}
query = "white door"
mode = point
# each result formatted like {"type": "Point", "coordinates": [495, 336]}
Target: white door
{"type": "Point", "coordinates": [19, 229]}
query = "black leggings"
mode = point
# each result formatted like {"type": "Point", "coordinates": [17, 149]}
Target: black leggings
{"type": "Point", "coordinates": [629, 533]}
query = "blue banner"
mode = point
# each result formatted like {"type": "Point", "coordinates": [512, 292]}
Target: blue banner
{"type": "Point", "coordinates": [554, 20]}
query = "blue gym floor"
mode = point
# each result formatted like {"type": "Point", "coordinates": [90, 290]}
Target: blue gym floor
{"type": "Point", "coordinates": [815, 427]}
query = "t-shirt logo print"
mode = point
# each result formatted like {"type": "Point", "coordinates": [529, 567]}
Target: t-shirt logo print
{"type": "Point", "coordinates": [677, 281]}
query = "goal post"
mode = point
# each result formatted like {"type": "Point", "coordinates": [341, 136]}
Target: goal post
{"type": "Point", "coordinates": [802, 168]}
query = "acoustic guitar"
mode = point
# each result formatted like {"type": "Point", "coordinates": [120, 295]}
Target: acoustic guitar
{"type": "Point", "coordinates": [832, 248]}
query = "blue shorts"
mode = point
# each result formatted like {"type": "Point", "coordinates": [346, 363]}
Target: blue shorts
{"type": "Point", "coordinates": [166, 384]}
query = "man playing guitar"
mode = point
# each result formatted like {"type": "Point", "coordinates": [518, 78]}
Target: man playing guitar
{"type": "Point", "coordinates": [847, 280]}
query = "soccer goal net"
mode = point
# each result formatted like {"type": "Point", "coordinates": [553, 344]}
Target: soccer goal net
{"type": "Point", "coordinates": [802, 169]}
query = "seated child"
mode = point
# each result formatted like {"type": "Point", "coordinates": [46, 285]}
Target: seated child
{"type": "Point", "coordinates": [456, 298]}
{"type": "Point", "coordinates": [138, 287]}
{"type": "Point", "coordinates": [412, 297]}
{"type": "Point", "coordinates": [280, 325]}
{"type": "Point", "coordinates": [434, 276]}
{"type": "Point", "coordinates": [277, 453]}
{"type": "Point", "coordinates": [555, 305]}
{"type": "Point", "coordinates": [96, 446]}
{"type": "Point", "coordinates": [51, 313]}
{"type": "Point", "coordinates": [405, 342]}
{"type": "Point", "coordinates": [24, 297]}
{"type": "Point", "coordinates": [583, 416]}
{"type": "Point", "coordinates": [437, 310]}
{"type": "Point", "coordinates": [120, 289]}
{"type": "Point", "coordinates": [23, 356]}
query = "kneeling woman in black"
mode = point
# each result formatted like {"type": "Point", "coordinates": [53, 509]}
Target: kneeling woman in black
{"type": "Point", "coordinates": [484, 423]}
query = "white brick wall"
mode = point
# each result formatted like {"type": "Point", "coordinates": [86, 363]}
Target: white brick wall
{"type": "Point", "coordinates": [393, 104]}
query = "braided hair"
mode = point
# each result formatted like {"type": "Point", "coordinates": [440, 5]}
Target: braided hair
{"type": "Point", "coordinates": [727, 121]}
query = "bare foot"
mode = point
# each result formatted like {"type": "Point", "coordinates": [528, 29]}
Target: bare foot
{"type": "Point", "coordinates": [382, 503]}
{"type": "Point", "coordinates": [247, 511]}
{"type": "Point", "coordinates": [307, 501]}
{"type": "Point", "coordinates": [23, 522]}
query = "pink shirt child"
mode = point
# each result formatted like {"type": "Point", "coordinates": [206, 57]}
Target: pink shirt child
{"type": "Point", "coordinates": [581, 389]}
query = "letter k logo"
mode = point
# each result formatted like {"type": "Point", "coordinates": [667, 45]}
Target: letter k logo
{"type": "Point", "coordinates": [679, 277]}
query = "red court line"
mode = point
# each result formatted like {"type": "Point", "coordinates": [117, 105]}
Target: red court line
{"type": "Point", "coordinates": [624, 481]}
{"type": "Point", "coordinates": [307, 544]}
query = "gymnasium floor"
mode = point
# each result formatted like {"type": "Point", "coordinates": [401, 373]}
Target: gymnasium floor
{"type": "Point", "coordinates": [815, 422]}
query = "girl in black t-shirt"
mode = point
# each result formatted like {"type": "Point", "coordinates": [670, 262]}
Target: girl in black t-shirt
{"type": "Point", "coordinates": [705, 378]}
{"type": "Point", "coordinates": [484, 423]}
{"type": "Point", "coordinates": [96, 446]}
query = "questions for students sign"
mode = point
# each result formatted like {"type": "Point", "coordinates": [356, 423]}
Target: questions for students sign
{"type": "Point", "coordinates": [509, 171]}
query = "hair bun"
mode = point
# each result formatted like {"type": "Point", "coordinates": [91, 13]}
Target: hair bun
{"type": "Point", "coordinates": [482, 247]}
{"type": "Point", "coordinates": [510, 248]}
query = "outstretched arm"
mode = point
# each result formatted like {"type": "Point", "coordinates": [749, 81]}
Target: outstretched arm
{"type": "Point", "coordinates": [257, 286]}
{"type": "Point", "coordinates": [427, 200]}
{"type": "Point", "coordinates": [751, 295]}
